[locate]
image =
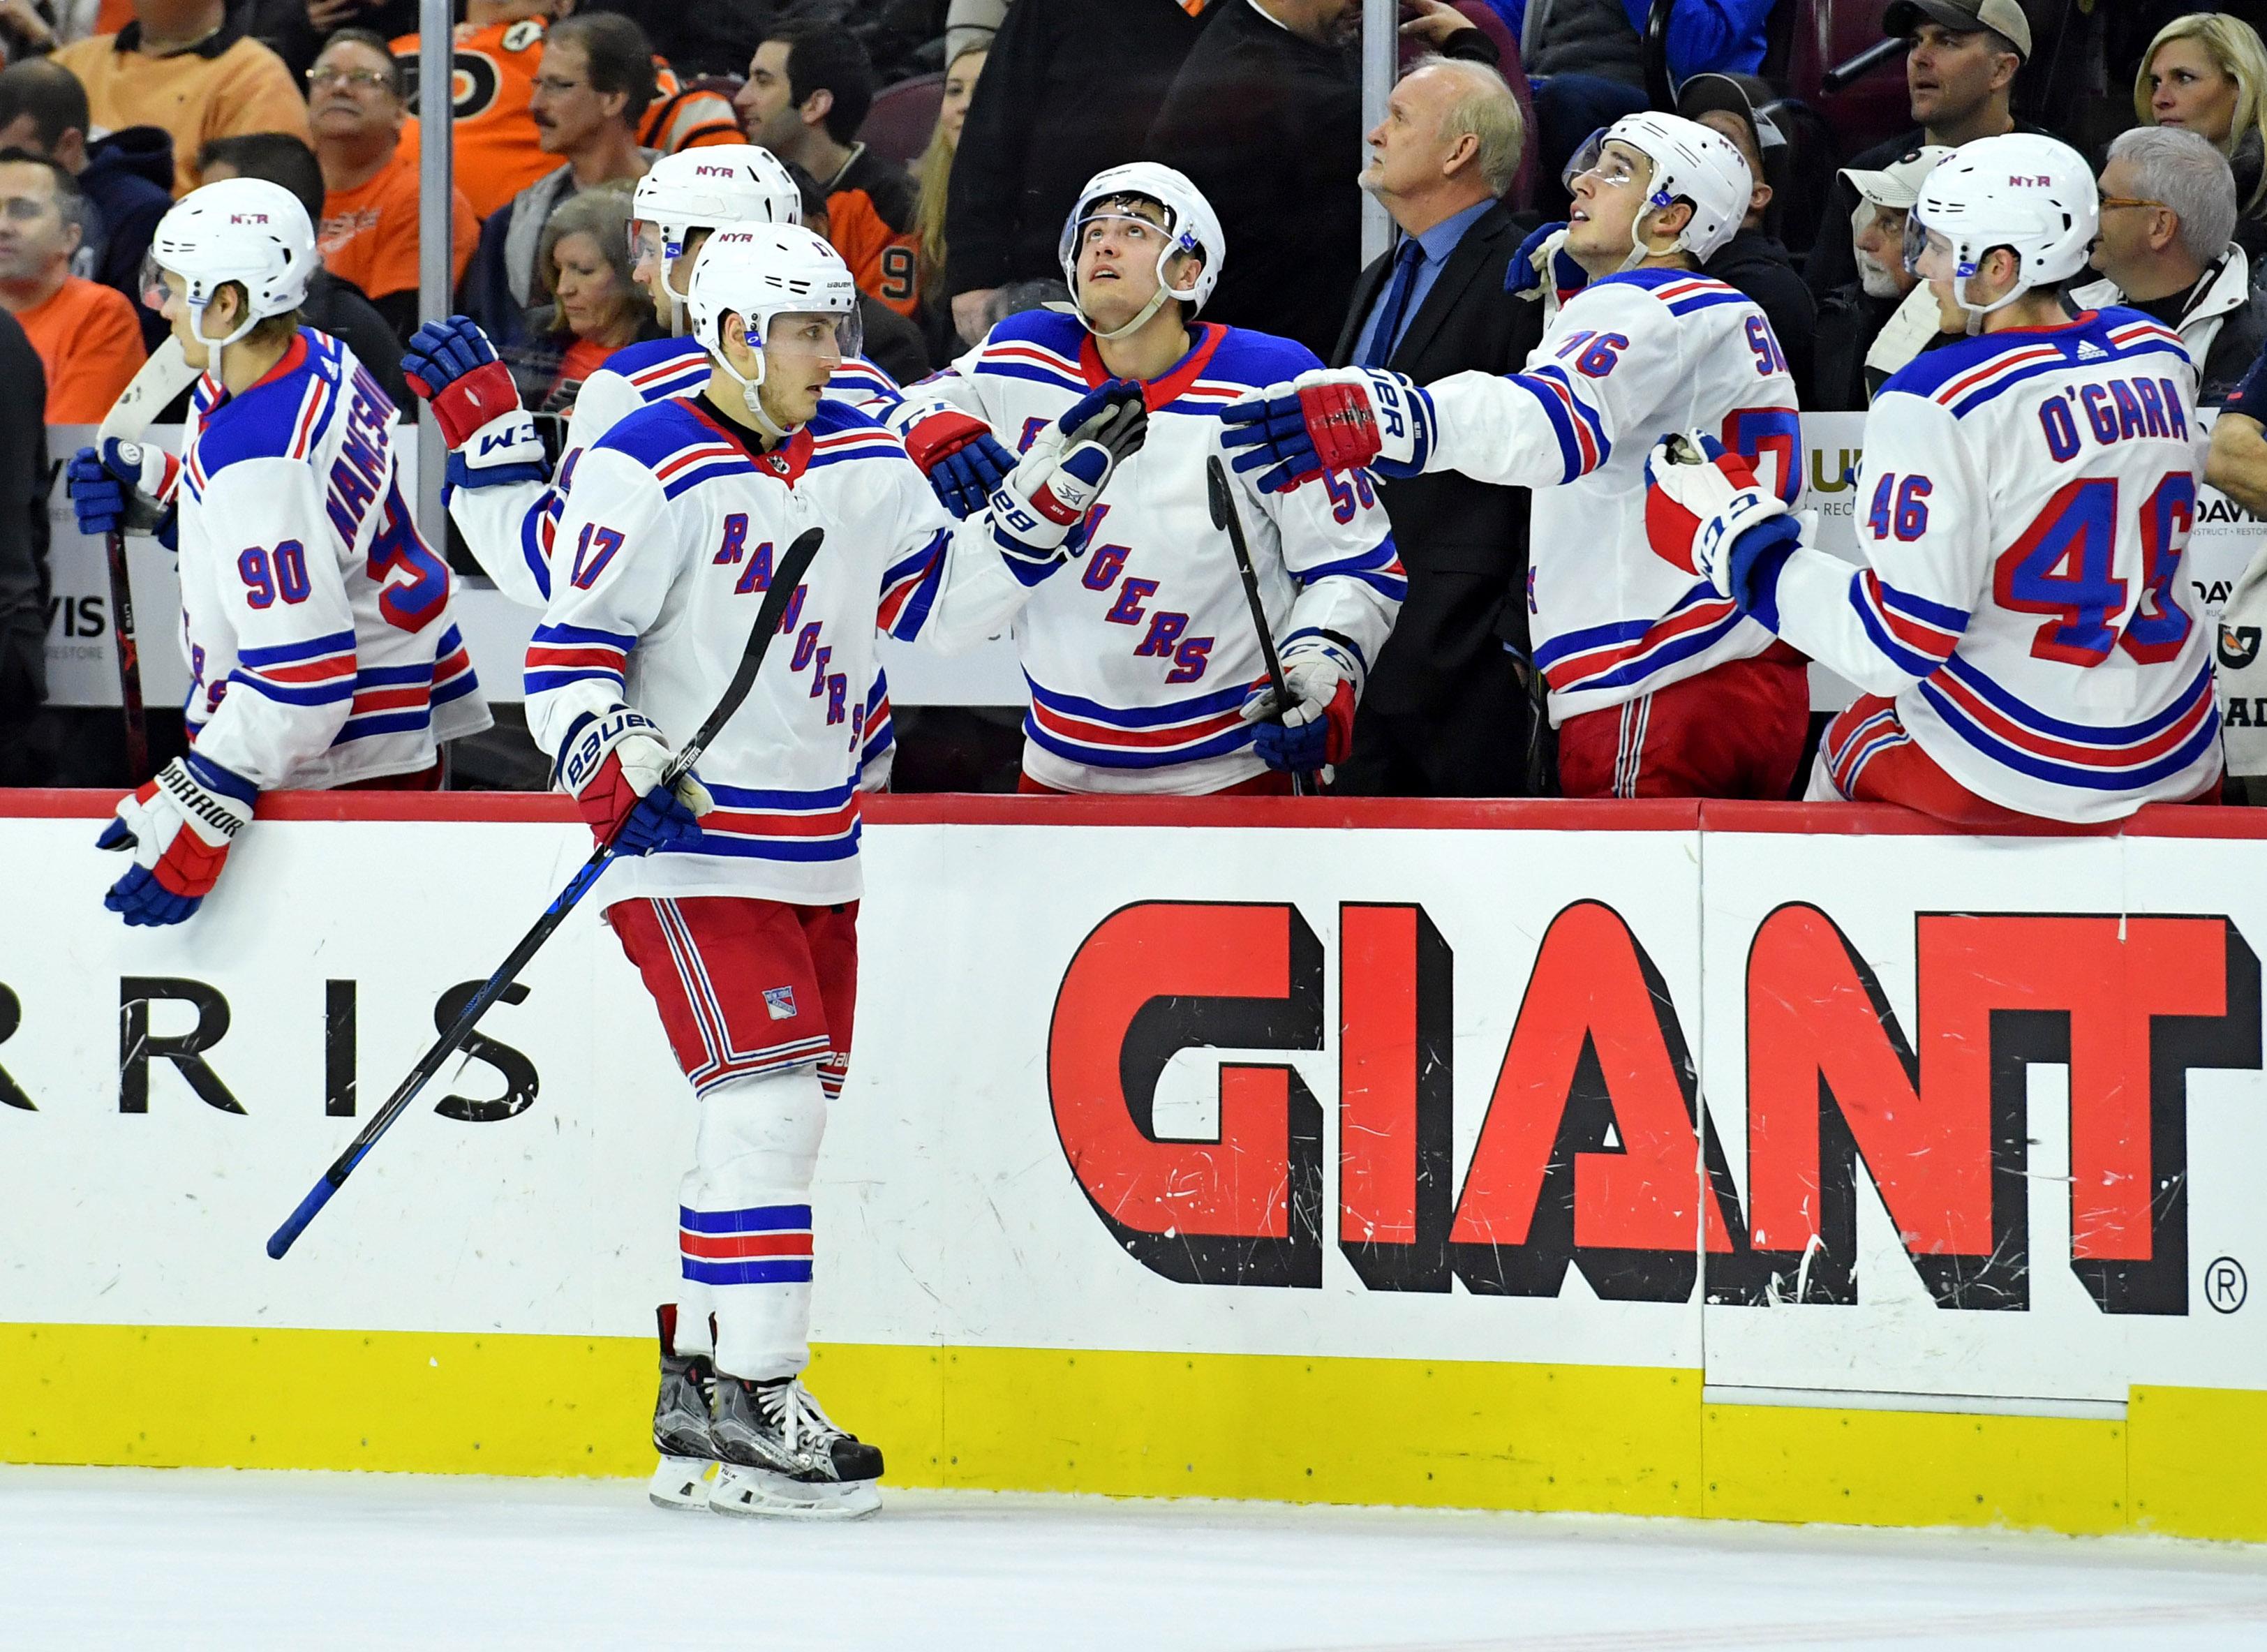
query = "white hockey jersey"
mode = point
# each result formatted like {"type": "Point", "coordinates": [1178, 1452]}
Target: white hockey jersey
{"type": "Point", "coordinates": [510, 527]}
{"type": "Point", "coordinates": [1139, 654]}
{"type": "Point", "coordinates": [321, 645]}
{"type": "Point", "coordinates": [2024, 502]}
{"type": "Point", "coordinates": [1629, 359]}
{"type": "Point", "coordinates": [666, 549]}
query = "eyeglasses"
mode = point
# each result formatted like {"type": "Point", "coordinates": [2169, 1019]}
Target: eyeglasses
{"type": "Point", "coordinates": [368, 79]}
{"type": "Point", "coordinates": [556, 86]}
{"type": "Point", "coordinates": [2108, 201]}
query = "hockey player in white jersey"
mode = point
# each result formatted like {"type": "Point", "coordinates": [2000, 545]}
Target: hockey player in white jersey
{"type": "Point", "coordinates": [741, 914]}
{"type": "Point", "coordinates": [1659, 685]}
{"type": "Point", "coordinates": [501, 493]}
{"type": "Point", "coordinates": [317, 625]}
{"type": "Point", "coordinates": [1142, 665]}
{"type": "Point", "coordinates": [2024, 502]}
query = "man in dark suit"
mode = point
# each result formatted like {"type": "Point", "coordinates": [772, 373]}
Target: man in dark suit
{"type": "Point", "coordinates": [1446, 712]}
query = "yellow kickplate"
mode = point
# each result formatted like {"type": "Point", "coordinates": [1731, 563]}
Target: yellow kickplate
{"type": "Point", "coordinates": [2192, 1462]}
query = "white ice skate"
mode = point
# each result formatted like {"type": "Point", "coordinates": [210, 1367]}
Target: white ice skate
{"type": "Point", "coordinates": [779, 1455]}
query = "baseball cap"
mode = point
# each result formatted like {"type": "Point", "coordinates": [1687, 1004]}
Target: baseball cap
{"type": "Point", "coordinates": [1897, 186]}
{"type": "Point", "coordinates": [1740, 95]}
{"type": "Point", "coordinates": [2005, 15]}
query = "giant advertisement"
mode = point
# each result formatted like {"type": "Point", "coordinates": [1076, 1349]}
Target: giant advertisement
{"type": "Point", "coordinates": [1805, 1112]}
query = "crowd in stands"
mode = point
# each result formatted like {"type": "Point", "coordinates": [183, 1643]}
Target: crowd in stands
{"type": "Point", "coordinates": [112, 109]}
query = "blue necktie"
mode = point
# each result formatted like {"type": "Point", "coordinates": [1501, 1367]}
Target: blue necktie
{"type": "Point", "coordinates": [1397, 303]}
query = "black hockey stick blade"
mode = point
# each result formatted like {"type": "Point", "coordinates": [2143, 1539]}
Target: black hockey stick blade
{"type": "Point", "coordinates": [1226, 517]}
{"type": "Point", "coordinates": [786, 574]}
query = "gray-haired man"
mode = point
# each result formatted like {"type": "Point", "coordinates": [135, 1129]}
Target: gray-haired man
{"type": "Point", "coordinates": [2167, 211]}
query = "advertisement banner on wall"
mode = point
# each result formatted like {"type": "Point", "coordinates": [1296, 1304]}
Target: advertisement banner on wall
{"type": "Point", "coordinates": [1815, 1113]}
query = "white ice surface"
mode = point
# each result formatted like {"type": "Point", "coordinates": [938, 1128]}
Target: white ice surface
{"type": "Point", "coordinates": [103, 1557]}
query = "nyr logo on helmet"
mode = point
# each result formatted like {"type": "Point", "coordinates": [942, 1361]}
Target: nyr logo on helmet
{"type": "Point", "coordinates": [247, 217]}
{"type": "Point", "coordinates": [715, 171]}
{"type": "Point", "coordinates": [2029, 180]}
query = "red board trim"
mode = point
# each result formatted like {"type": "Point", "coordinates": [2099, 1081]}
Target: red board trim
{"type": "Point", "coordinates": [1337, 814]}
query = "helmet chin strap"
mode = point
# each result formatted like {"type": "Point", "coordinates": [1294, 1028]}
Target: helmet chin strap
{"type": "Point", "coordinates": [214, 347]}
{"type": "Point", "coordinates": [1156, 303]}
{"type": "Point", "coordinates": [751, 397]}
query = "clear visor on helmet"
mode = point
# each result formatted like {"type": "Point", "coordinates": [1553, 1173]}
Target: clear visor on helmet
{"type": "Point", "coordinates": [649, 241]}
{"type": "Point", "coordinates": [1611, 167]}
{"type": "Point", "coordinates": [1142, 237]}
{"type": "Point", "coordinates": [805, 335]}
{"type": "Point", "coordinates": [155, 292]}
{"type": "Point", "coordinates": [1928, 252]}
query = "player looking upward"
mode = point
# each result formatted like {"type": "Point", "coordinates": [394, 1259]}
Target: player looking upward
{"type": "Point", "coordinates": [317, 623]}
{"type": "Point", "coordinates": [2025, 499]}
{"type": "Point", "coordinates": [1659, 685]}
{"type": "Point", "coordinates": [1142, 668]}
{"type": "Point", "coordinates": [741, 914]}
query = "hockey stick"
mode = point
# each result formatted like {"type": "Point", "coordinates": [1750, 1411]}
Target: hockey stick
{"type": "Point", "coordinates": [786, 574]}
{"type": "Point", "coordinates": [163, 377]}
{"type": "Point", "coordinates": [1224, 516]}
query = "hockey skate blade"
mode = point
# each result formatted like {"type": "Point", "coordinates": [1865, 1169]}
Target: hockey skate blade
{"type": "Point", "coordinates": [758, 1493]}
{"type": "Point", "coordinates": [681, 1482]}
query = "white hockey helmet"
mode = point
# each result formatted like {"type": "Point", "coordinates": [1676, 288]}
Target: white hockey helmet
{"type": "Point", "coordinates": [2032, 195]}
{"type": "Point", "coordinates": [729, 184]}
{"type": "Point", "coordinates": [1691, 163]}
{"type": "Point", "coordinates": [760, 272]}
{"type": "Point", "coordinates": [243, 230]}
{"type": "Point", "coordinates": [1191, 226]}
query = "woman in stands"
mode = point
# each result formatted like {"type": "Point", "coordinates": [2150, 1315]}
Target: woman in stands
{"type": "Point", "coordinates": [595, 307]}
{"type": "Point", "coordinates": [2207, 71]}
{"type": "Point", "coordinates": [933, 173]}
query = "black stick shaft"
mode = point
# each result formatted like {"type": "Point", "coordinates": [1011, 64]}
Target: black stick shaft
{"type": "Point", "coordinates": [1224, 514]}
{"type": "Point", "coordinates": [130, 661]}
{"type": "Point", "coordinates": [786, 574]}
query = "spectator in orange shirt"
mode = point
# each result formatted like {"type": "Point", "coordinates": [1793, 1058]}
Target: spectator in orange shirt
{"type": "Point", "coordinates": [85, 333]}
{"type": "Point", "coordinates": [808, 90]}
{"type": "Point", "coordinates": [369, 228]}
{"type": "Point", "coordinates": [185, 66]}
{"type": "Point", "coordinates": [498, 50]}
{"type": "Point", "coordinates": [596, 81]}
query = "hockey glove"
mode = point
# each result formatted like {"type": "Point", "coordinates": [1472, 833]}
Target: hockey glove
{"type": "Point", "coordinates": [1038, 513]}
{"type": "Point", "coordinates": [962, 460]}
{"type": "Point", "coordinates": [180, 826]}
{"type": "Point", "coordinates": [1341, 418]}
{"type": "Point", "coordinates": [128, 489]}
{"type": "Point", "coordinates": [1705, 512]}
{"type": "Point", "coordinates": [492, 439]}
{"type": "Point", "coordinates": [613, 764]}
{"type": "Point", "coordinates": [1542, 269]}
{"type": "Point", "coordinates": [1316, 728]}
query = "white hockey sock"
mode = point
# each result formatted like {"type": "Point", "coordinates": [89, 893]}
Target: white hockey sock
{"type": "Point", "coordinates": [747, 1241]}
{"type": "Point", "coordinates": [695, 1301]}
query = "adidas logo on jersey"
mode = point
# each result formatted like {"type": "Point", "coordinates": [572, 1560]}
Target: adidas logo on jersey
{"type": "Point", "coordinates": [2089, 351]}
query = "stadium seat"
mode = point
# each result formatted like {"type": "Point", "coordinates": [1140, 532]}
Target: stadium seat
{"type": "Point", "coordinates": [904, 117]}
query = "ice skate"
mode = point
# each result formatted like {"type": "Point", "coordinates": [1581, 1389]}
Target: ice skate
{"type": "Point", "coordinates": [780, 1455]}
{"type": "Point", "coordinates": [688, 1469]}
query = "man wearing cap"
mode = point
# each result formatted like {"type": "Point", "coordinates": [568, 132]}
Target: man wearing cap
{"type": "Point", "coordinates": [1960, 79]}
{"type": "Point", "coordinates": [1869, 328]}
{"type": "Point", "coordinates": [1755, 262]}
